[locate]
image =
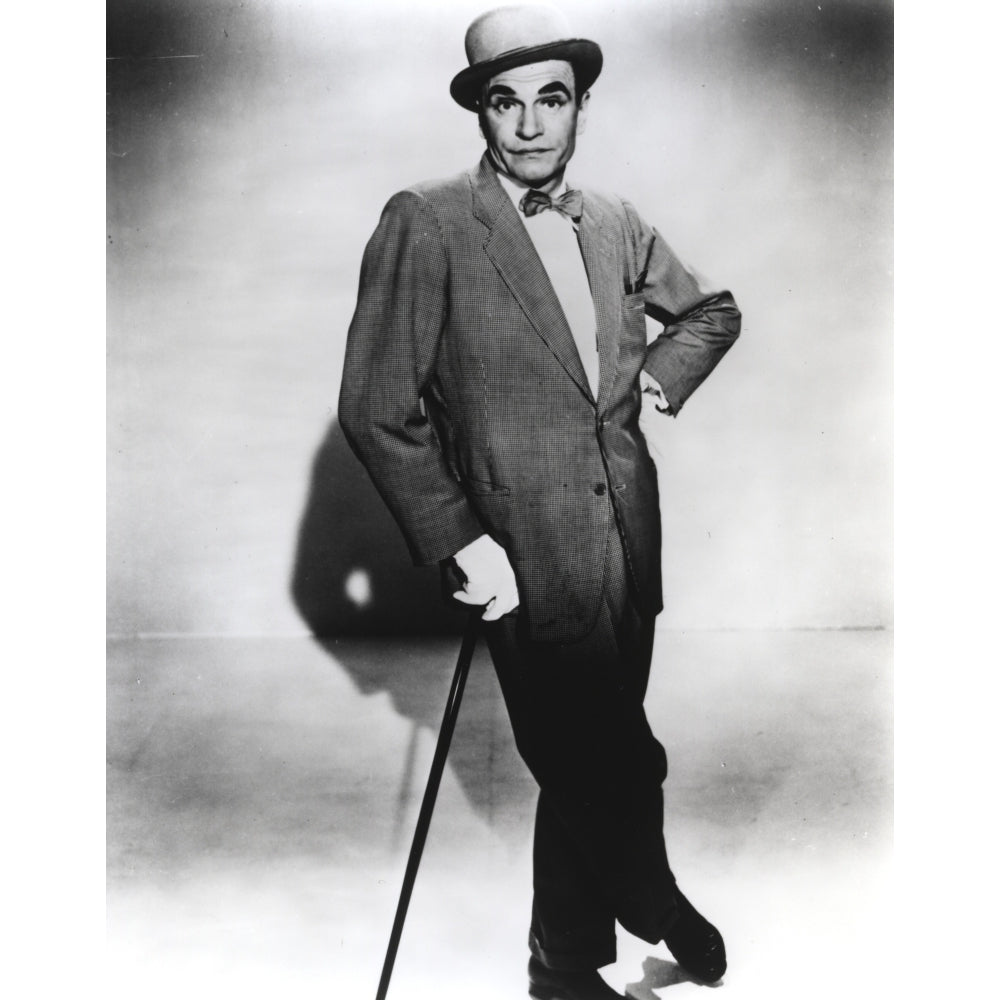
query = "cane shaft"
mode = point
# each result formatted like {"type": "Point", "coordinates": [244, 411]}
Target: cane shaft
{"type": "Point", "coordinates": [430, 797]}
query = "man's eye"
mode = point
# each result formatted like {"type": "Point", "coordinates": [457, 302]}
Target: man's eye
{"type": "Point", "coordinates": [503, 105]}
{"type": "Point", "coordinates": [553, 102]}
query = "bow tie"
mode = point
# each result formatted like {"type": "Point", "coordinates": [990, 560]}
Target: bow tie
{"type": "Point", "coordinates": [570, 204]}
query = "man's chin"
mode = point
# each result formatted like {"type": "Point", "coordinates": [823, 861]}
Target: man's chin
{"type": "Point", "coordinates": [535, 178]}
{"type": "Point", "coordinates": [535, 173]}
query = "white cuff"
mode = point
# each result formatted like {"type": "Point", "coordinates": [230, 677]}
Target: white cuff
{"type": "Point", "coordinates": [649, 385]}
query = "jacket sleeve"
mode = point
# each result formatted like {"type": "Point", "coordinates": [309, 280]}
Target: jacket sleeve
{"type": "Point", "coordinates": [700, 323]}
{"type": "Point", "coordinates": [392, 345]}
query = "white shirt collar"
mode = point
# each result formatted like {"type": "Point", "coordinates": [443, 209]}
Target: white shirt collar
{"type": "Point", "coordinates": [515, 189]}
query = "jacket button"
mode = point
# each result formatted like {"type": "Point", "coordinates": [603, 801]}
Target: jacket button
{"type": "Point", "coordinates": [600, 489]}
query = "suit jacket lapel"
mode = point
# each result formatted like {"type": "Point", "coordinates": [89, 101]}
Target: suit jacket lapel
{"type": "Point", "coordinates": [513, 254]}
{"type": "Point", "coordinates": [605, 275]}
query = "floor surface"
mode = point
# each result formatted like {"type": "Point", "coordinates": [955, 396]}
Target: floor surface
{"type": "Point", "coordinates": [262, 794]}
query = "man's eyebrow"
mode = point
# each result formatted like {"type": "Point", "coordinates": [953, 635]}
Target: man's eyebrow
{"type": "Point", "coordinates": [555, 87]}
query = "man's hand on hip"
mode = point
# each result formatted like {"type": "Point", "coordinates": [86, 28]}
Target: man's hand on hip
{"type": "Point", "coordinates": [489, 578]}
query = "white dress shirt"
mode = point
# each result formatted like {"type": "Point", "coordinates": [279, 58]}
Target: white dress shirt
{"type": "Point", "coordinates": [554, 238]}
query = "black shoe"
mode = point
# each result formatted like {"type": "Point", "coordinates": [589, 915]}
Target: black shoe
{"type": "Point", "coordinates": [695, 943]}
{"type": "Point", "coordinates": [556, 984]}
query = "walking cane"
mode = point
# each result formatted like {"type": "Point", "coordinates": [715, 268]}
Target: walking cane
{"type": "Point", "coordinates": [430, 796]}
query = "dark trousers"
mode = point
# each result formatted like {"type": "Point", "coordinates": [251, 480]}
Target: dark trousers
{"type": "Point", "coordinates": [578, 720]}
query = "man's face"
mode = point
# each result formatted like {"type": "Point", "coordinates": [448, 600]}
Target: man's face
{"type": "Point", "coordinates": [530, 120]}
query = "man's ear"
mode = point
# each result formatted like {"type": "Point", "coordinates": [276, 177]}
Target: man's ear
{"type": "Point", "coordinates": [581, 115]}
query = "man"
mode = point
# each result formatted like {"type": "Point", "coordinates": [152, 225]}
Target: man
{"type": "Point", "coordinates": [492, 388]}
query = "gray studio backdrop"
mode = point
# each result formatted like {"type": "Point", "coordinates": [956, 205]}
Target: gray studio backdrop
{"type": "Point", "coordinates": [251, 147]}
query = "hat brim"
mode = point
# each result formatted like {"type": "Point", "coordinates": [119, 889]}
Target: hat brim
{"type": "Point", "coordinates": [585, 56]}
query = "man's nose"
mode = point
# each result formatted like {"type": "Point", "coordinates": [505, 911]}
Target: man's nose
{"type": "Point", "coordinates": [529, 125]}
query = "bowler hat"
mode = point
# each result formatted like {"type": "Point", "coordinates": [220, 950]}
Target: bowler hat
{"type": "Point", "coordinates": [515, 36]}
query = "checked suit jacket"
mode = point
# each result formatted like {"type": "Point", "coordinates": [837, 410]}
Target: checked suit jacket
{"type": "Point", "coordinates": [464, 395]}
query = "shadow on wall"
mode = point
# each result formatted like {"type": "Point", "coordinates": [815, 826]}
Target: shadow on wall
{"type": "Point", "coordinates": [353, 574]}
{"type": "Point", "coordinates": [353, 578]}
